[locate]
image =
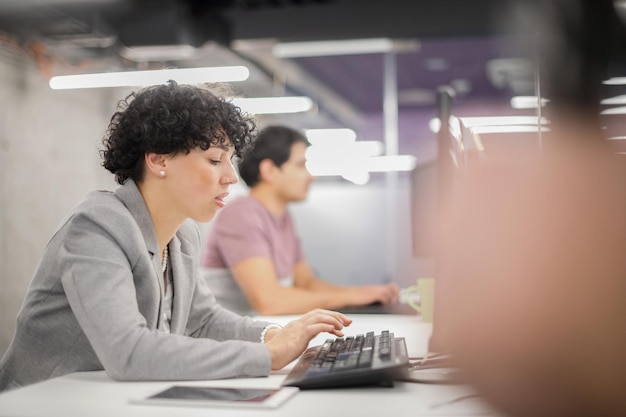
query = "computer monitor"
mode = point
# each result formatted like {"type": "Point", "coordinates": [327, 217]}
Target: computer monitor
{"type": "Point", "coordinates": [432, 186]}
{"type": "Point", "coordinates": [423, 183]}
{"type": "Point", "coordinates": [436, 188]}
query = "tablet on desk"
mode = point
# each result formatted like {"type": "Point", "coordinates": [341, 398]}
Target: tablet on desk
{"type": "Point", "coordinates": [197, 396]}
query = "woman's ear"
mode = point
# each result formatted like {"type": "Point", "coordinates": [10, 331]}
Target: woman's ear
{"type": "Point", "coordinates": [156, 164]}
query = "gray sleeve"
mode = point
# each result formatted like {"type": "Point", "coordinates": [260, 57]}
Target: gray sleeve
{"type": "Point", "coordinates": [99, 280]}
{"type": "Point", "coordinates": [211, 320]}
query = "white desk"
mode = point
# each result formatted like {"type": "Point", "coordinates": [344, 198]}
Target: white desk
{"type": "Point", "coordinates": [93, 394]}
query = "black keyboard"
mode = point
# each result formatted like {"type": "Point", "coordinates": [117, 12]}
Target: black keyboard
{"type": "Point", "coordinates": [352, 361]}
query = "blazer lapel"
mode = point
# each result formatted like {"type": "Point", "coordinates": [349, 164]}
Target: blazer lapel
{"type": "Point", "coordinates": [130, 195]}
{"type": "Point", "coordinates": [182, 268]}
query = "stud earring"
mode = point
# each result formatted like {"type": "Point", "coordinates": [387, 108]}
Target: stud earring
{"type": "Point", "coordinates": [162, 173]}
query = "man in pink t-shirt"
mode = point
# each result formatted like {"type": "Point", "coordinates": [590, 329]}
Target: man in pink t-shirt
{"type": "Point", "coordinates": [253, 258]}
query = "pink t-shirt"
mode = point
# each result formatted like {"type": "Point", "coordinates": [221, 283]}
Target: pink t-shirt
{"type": "Point", "coordinates": [245, 229]}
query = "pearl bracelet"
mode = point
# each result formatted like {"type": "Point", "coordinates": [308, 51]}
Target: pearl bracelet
{"type": "Point", "coordinates": [267, 328]}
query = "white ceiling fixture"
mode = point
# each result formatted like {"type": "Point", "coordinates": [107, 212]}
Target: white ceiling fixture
{"type": "Point", "coordinates": [357, 167]}
{"type": "Point", "coordinates": [336, 152]}
{"type": "Point", "coordinates": [614, 110]}
{"type": "Point", "coordinates": [616, 100]}
{"type": "Point", "coordinates": [343, 47]}
{"type": "Point", "coordinates": [159, 53]}
{"type": "Point", "coordinates": [389, 163]}
{"type": "Point", "coordinates": [481, 130]}
{"type": "Point", "coordinates": [505, 124]}
{"type": "Point", "coordinates": [330, 135]}
{"type": "Point", "coordinates": [527, 102]}
{"type": "Point", "coordinates": [502, 121]}
{"type": "Point", "coordinates": [342, 143]}
{"type": "Point", "coordinates": [615, 81]}
{"type": "Point", "coordinates": [151, 77]}
{"type": "Point", "coordinates": [489, 121]}
{"type": "Point", "coordinates": [273, 105]}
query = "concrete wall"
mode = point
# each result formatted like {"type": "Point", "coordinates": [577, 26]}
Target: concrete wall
{"type": "Point", "coordinates": [48, 161]}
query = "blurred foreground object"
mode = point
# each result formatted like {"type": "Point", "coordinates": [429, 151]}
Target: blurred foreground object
{"type": "Point", "coordinates": [534, 260]}
{"type": "Point", "coordinates": [532, 268]}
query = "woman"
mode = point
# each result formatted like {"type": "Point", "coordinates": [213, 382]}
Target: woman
{"type": "Point", "coordinates": [117, 287]}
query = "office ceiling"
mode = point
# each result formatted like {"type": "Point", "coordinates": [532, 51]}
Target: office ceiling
{"type": "Point", "coordinates": [472, 46]}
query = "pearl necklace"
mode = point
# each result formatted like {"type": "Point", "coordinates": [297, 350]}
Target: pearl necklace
{"type": "Point", "coordinates": [164, 260]}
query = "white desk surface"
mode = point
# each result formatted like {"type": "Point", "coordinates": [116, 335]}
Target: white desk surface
{"type": "Point", "coordinates": [93, 394]}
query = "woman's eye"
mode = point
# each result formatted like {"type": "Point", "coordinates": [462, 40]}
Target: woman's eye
{"type": "Point", "coordinates": [215, 161]}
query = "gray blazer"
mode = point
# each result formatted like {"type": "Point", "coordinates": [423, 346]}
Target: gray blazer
{"type": "Point", "coordinates": [95, 303]}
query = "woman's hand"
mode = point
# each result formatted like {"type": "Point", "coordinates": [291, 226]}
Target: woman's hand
{"type": "Point", "coordinates": [288, 343]}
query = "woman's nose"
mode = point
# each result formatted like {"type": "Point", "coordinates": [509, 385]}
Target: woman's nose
{"type": "Point", "coordinates": [230, 176]}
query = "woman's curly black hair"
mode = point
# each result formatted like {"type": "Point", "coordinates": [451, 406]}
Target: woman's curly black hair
{"type": "Point", "coordinates": [169, 119]}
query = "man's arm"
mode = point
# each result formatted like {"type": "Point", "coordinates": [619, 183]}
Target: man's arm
{"type": "Point", "coordinates": [257, 279]}
{"type": "Point", "coordinates": [305, 278]}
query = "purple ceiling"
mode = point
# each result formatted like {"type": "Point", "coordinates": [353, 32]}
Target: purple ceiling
{"type": "Point", "coordinates": [438, 62]}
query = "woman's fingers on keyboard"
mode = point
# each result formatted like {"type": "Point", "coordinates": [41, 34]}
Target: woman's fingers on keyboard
{"type": "Point", "coordinates": [339, 320]}
{"type": "Point", "coordinates": [317, 321]}
{"type": "Point", "coordinates": [288, 343]}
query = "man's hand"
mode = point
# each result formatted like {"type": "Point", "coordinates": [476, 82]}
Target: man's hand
{"type": "Point", "coordinates": [385, 294]}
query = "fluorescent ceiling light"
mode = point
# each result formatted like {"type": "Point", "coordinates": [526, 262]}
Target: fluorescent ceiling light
{"type": "Point", "coordinates": [332, 135]}
{"type": "Point", "coordinates": [390, 163]}
{"type": "Point", "coordinates": [343, 47]}
{"type": "Point", "coordinates": [614, 110]}
{"type": "Point", "coordinates": [369, 147]}
{"type": "Point", "coordinates": [331, 142]}
{"type": "Point", "coordinates": [508, 129]}
{"type": "Point", "coordinates": [342, 149]}
{"type": "Point", "coordinates": [267, 105]}
{"type": "Point", "coordinates": [341, 142]}
{"type": "Point", "coordinates": [611, 101]}
{"type": "Point", "coordinates": [357, 177]}
{"type": "Point", "coordinates": [527, 102]}
{"type": "Point", "coordinates": [615, 81]}
{"type": "Point", "coordinates": [336, 152]}
{"type": "Point", "coordinates": [501, 121]}
{"type": "Point", "coordinates": [338, 166]}
{"type": "Point", "coordinates": [152, 77]}
{"type": "Point", "coordinates": [159, 53]}
{"type": "Point", "coordinates": [435, 124]}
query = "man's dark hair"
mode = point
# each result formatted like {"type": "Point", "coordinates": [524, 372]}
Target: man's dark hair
{"type": "Point", "coordinates": [274, 143]}
{"type": "Point", "coordinates": [170, 119]}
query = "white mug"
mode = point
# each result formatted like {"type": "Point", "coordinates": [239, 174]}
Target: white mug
{"type": "Point", "coordinates": [425, 287]}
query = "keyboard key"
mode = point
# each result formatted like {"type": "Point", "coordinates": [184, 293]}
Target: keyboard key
{"type": "Point", "coordinates": [316, 372]}
{"type": "Point", "coordinates": [384, 352]}
{"type": "Point", "coordinates": [365, 359]}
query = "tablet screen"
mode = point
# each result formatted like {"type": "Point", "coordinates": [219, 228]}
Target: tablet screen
{"type": "Point", "coordinates": [211, 396]}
